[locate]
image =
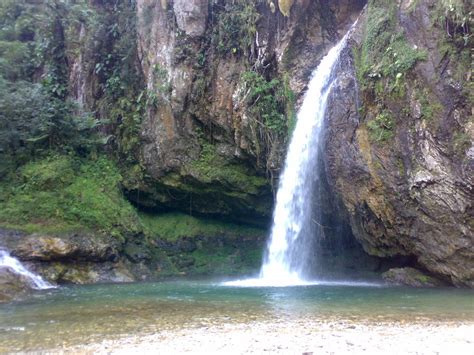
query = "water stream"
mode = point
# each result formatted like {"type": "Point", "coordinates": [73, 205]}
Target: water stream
{"type": "Point", "coordinates": [36, 281]}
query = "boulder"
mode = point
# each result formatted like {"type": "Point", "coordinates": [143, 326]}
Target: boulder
{"type": "Point", "coordinates": [409, 276]}
{"type": "Point", "coordinates": [76, 246]}
{"type": "Point", "coordinates": [12, 285]}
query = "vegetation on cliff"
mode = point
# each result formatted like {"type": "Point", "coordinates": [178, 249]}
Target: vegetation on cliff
{"type": "Point", "coordinates": [407, 185]}
{"type": "Point", "coordinates": [63, 193]}
{"type": "Point", "coordinates": [68, 149]}
{"type": "Point", "coordinates": [36, 114]}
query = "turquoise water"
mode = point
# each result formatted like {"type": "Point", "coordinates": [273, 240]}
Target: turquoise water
{"type": "Point", "coordinates": [82, 314]}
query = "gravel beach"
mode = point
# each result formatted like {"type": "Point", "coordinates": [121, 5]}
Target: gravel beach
{"type": "Point", "coordinates": [299, 337]}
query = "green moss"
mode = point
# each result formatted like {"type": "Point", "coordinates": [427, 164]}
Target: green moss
{"type": "Point", "coordinates": [62, 193]}
{"type": "Point", "coordinates": [385, 56]}
{"type": "Point", "coordinates": [172, 226]}
{"type": "Point", "coordinates": [212, 167]}
{"type": "Point", "coordinates": [220, 248]}
{"type": "Point", "coordinates": [401, 167]}
{"type": "Point", "coordinates": [218, 262]}
{"type": "Point", "coordinates": [225, 259]}
{"type": "Point", "coordinates": [430, 109]}
{"type": "Point", "coordinates": [423, 278]}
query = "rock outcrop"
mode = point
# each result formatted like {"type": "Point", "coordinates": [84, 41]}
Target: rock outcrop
{"type": "Point", "coordinates": [12, 285]}
{"type": "Point", "coordinates": [84, 258]}
{"type": "Point", "coordinates": [399, 143]}
{"type": "Point", "coordinates": [409, 276]}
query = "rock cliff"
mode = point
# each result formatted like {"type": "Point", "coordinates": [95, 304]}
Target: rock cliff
{"type": "Point", "coordinates": [219, 79]}
{"type": "Point", "coordinates": [399, 138]}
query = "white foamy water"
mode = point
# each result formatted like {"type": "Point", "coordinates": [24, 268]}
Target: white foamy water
{"type": "Point", "coordinates": [36, 281]}
{"type": "Point", "coordinates": [289, 247]}
{"type": "Point", "coordinates": [261, 282]}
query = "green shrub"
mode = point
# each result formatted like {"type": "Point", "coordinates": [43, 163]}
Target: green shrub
{"type": "Point", "coordinates": [381, 128]}
{"type": "Point", "coordinates": [236, 27]}
{"type": "Point", "coordinates": [267, 100]}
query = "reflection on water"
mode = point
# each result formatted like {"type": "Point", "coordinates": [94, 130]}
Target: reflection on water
{"type": "Point", "coordinates": [82, 314]}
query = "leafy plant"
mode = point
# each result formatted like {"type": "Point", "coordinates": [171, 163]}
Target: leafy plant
{"type": "Point", "coordinates": [381, 128]}
{"type": "Point", "coordinates": [265, 100]}
{"type": "Point", "coordinates": [236, 27]}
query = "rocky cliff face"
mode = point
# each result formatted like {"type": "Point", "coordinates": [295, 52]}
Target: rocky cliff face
{"type": "Point", "coordinates": [399, 138]}
{"type": "Point", "coordinates": [219, 81]}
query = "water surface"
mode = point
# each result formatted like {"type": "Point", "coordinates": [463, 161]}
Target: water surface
{"type": "Point", "coordinates": [82, 314]}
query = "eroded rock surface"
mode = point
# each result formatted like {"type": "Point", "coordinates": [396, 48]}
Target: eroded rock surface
{"type": "Point", "coordinates": [407, 185]}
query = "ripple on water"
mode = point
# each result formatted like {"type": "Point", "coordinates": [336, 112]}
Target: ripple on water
{"type": "Point", "coordinates": [55, 319]}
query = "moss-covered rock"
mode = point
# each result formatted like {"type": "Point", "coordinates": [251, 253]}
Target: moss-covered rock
{"type": "Point", "coordinates": [196, 246]}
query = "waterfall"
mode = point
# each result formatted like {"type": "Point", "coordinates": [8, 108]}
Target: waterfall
{"type": "Point", "coordinates": [289, 246]}
{"type": "Point", "coordinates": [294, 229]}
{"type": "Point", "coordinates": [35, 281]}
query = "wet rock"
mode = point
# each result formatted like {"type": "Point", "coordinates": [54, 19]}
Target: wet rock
{"type": "Point", "coordinates": [81, 273]}
{"type": "Point", "coordinates": [411, 194]}
{"type": "Point", "coordinates": [75, 246]}
{"type": "Point", "coordinates": [137, 252]}
{"type": "Point", "coordinates": [408, 276]}
{"type": "Point", "coordinates": [186, 245]}
{"type": "Point", "coordinates": [72, 258]}
{"type": "Point", "coordinates": [184, 261]}
{"type": "Point", "coordinates": [44, 248]}
{"type": "Point", "coordinates": [12, 285]}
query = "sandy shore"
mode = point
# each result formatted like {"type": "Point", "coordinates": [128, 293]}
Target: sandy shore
{"type": "Point", "coordinates": [300, 337]}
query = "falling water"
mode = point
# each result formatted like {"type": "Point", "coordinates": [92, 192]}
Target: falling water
{"type": "Point", "coordinates": [35, 280]}
{"type": "Point", "coordinates": [289, 248]}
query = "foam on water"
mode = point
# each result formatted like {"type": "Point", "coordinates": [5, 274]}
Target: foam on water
{"type": "Point", "coordinates": [36, 281]}
{"type": "Point", "coordinates": [261, 282]}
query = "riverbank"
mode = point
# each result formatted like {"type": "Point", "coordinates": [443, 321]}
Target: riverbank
{"type": "Point", "coordinates": [300, 336]}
